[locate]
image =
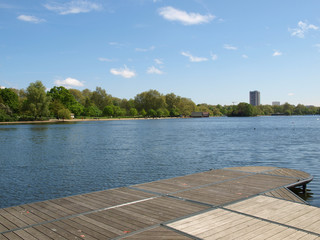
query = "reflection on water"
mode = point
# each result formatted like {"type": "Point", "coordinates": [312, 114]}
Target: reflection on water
{"type": "Point", "coordinates": [306, 195]}
{"type": "Point", "coordinates": [45, 161]}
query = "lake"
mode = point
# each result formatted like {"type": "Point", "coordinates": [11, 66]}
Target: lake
{"type": "Point", "coordinates": [46, 161]}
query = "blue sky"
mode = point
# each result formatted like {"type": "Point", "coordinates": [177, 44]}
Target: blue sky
{"type": "Point", "coordinates": [211, 51]}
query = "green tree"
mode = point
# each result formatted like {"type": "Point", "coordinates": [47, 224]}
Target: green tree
{"type": "Point", "coordinates": [151, 99]}
{"type": "Point", "coordinates": [64, 113]}
{"type": "Point", "coordinates": [55, 106]}
{"type": "Point", "coordinates": [100, 98]}
{"type": "Point", "coordinates": [66, 98]}
{"type": "Point", "coordinates": [152, 113]}
{"type": "Point", "coordinates": [143, 113]}
{"type": "Point", "coordinates": [174, 112]}
{"type": "Point", "coordinates": [216, 111]}
{"type": "Point", "coordinates": [108, 111]}
{"type": "Point", "coordinates": [172, 102]}
{"type": "Point", "coordinates": [118, 111]}
{"type": "Point", "coordinates": [243, 110]}
{"type": "Point", "coordinates": [133, 112]}
{"type": "Point", "coordinates": [93, 111]}
{"type": "Point", "coordinates": [160, 112]}
{"type": "Point", "coordinates": [288, 109]}
{"type": "Point", "coordinates": [10, 98]}
{"type": "Point", "coordinates": [37, 102]}
{"type": "Point", "coordinates": [77, 94]}
{"type": "Point", "coordinates": [186, 106]}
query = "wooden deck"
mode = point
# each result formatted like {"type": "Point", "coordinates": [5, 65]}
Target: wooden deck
{"type": "Point", "coordinates": [229, 203]}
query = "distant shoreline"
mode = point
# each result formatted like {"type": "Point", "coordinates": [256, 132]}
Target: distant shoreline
{"type": "Point", "coordinates": [79, 120]}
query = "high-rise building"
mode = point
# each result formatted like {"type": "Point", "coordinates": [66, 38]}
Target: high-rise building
{"type": "Point", "coordinates": [276, 103]}
{"type": "Point", "coordinates": [255, 98]}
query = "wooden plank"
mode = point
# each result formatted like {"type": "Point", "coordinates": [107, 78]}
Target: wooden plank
{"type": "Point", "coordinates": [12, 218]}
{"type": "Point", "coordinates": [37, 234]}
{"type": "Point", "coordinates": [48, 232]}
{"type": "Point", "coordinates": [158, 233]}
{"type": "Point", "coordinates": [7, 224]}
{"type": "Point", "coordinates": [25, 235]}
{"type": "Point", "coordinates": [101, 224]}
{"type": "Point", "coordinates": [96, 227]}
{"type": "Point", "coordinates": [3, 237]}
{"type": "Point", "coordinates": [12, 236]}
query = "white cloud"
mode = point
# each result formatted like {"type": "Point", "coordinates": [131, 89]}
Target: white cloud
{"type": "Point", "coordinates": [302, 29]}
{"type": "Point", "coordinates": [32, 19]}
{"type": "Point", "coordinates": [229, 47]}
{"type": "Point", "coordinates": [276, 53]}
{"type": "Point", "coordinates": [158, 61]}
{"type": "Point", "coordinates": [145, 49]}
{"type": "Point", "coordinates": [214, 57]}
{"type": "Point", "coordinates": [101, 59]}
{"type": "Point", "coordinates": [193, 58]}
{"type": "Point", "coordinates": [69, 83]}
{"type": "Point", "coordinates": [73, 7]}
{"type": "Point", "coordinates": [245, 56]}
{"type": "Point", "coordinates": [124, 72]}
{"type": "Point", "coordinates": [2, 87]}
{"type": "Point", "coordinates": [290, 94]}
{"type": "Point", "coordinates": [173, 14]}
{"type": "Point", "coordinates": [154, 70]}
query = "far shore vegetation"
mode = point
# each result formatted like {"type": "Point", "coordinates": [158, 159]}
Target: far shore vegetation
{"type": "Point", "coordinates": [35, 103]}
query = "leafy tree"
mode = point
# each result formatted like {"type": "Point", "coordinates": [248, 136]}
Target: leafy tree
{"type": "Point", "coordinates": [100, 98]}
{"type": "Point", "coordinates": [118, 111]}
{"type": "Point", "coordinates": [174, 112]}
{"type": "Point", "coordinates": [64, 113]}
{"type": "Point", "coordinates": [37, 101]}
{"type": "Point", "coordinates": [143, 113]}
{"type": "Point", "coordinates": [243, 110]}
{"type": "Point", "coordinates": [216, 111]}
{"type": "Point", "coordinates": [4, 117]}
{"type": "Point", "coordinates": [86, 93]}
{"type": "Point", "coordinates": [55, 106]}
{"type": "Point", "coordinates": [160, 112]}
{"type": "Point", "coordinates": [288, 109]}
{"type": "Point", "coordinates": [166, 112]}
{"type": "Point", "coordinates": [186, 106]}
{"type": "Point", "coordinates": [152, 113]}
{"type": "Point", "coordinates": [93, 111]}
{"type": "Point", "coordinates": [133, 112]}
{"type": "Point", "coordinates": [77, 94]}
{"type": "Point", "coordinates": [151, 99]}
{"type": "Point", "coordinates": [172, 102]}
{"type": "Point", "coordinates": [64, 96]}
{"type": "Point", "coordinates": [10, 98]}
{"type": "Point", "coordinates": [108, 111]}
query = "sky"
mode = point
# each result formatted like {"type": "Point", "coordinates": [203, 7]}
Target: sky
{"type": "Point", "coordinates": [211, 51]}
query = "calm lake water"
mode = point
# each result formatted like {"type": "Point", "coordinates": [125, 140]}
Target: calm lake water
{"type": "Point", "coordinates": [46, 161]}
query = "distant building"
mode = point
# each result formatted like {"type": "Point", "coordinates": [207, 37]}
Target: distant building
{"type": "Point", "coordinates": [276, 103]}
{"type": "Point", "coordinates": [254, 98]}
{"type": "Point", "coordinates": [199, 114]}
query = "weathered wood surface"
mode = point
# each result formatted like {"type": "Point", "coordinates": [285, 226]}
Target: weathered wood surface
{"type": "Point", "coordinates": [284, 193]}
{"type": "Point", "coordinates": [242, 203]}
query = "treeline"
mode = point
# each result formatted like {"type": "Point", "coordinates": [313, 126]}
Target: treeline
{"type": "Point", "coordinates": [35, 103]}
{"type": "Point", "coordinates": [247, 110]}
